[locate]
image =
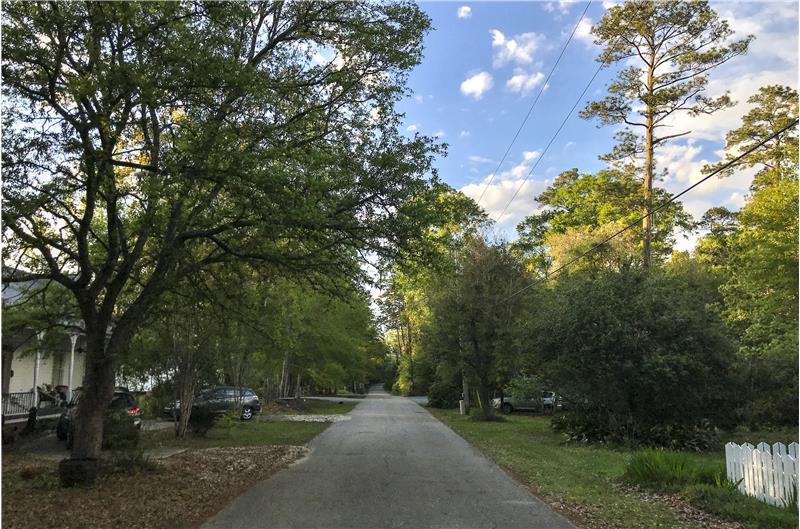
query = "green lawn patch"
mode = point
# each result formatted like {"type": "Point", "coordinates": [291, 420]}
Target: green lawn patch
{"type": "Point", "coordinates": [251, 433]}
{"type": "Point", "coordinates": [307, 407]}
{"type": "Point", "coordinates": [589, 479]}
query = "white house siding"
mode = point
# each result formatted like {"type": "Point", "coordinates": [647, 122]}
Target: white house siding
{"type": "Point", "coordinates": [22, 365]}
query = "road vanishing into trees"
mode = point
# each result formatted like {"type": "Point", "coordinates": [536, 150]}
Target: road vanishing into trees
{"type": "Point", "coordinates": [392, 465]}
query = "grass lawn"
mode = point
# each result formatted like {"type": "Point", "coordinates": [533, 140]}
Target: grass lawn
{"type": "Point", "coordinates": [584, 481]}
{"type": "Point", "coordinates": [251, 433]}
{"type": "Point", "coordinates": [307, 407]}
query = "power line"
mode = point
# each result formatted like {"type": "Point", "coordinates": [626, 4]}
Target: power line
{"type": "Point", "coordinates": [552, 139]}
{"type": "Point", "coordinates": [544, 84]}
{"type": "Point", "coordinates": [652, 212]}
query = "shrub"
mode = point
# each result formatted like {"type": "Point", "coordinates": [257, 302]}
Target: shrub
{"type": "Point", "coordinates": [227, 421]}
{"type": "Point", "coordinates": [444, 394]}
{"type": "Point", "coordinates": [201, 421]}
{"type": "Point", "coordinates": [119, 431]}
{"type": "Point", "coordinates": [633, 351]}
{"type": "Point", "coordinates": [729, 503]}
{"type": "Point", "coordinates": [151, 407]}
{"type": "Point", "coordinates": [665, 470]}
{"type": "Point", "coordinates": [129, 461]}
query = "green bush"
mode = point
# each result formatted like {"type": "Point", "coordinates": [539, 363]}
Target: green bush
{"type": "Point", "coordinates": [150, 405]}
{"type": "Point", "coordinates": [670, 471]}
{"type": "Point", "coordinates": [444, 394]}
{"type": "Point", "coordinates": [201, 421]}
{"type": "Point", "coordinates": [129, 461]}
{"type": "Point", "coordinates": [119, 431]}
{"type": "Point", "coordinates": [729, 503]}
{"type": "Point", "coordinates": [634, 351]}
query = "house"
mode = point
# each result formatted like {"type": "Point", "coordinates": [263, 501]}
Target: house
{"type": "Point", "coordinates": [35, 357]}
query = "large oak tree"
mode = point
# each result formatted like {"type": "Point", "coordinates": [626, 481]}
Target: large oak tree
{"type": "Point", "coordinates": [144, 141]}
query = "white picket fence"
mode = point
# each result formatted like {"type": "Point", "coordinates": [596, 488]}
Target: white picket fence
{"type": "Point", "coordinates": [766, 472]}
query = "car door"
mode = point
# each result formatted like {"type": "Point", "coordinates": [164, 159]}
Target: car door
{"type": "Point", "coordinates": [216, 401]}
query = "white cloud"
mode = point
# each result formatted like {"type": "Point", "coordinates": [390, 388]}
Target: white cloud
{"type": "Point", "coordinates": [464, 12]}
{"type": "Point", "coordinates": [562, 6]}
{"type": "Point", "coordinates": [519, 49]}
{"type": "Point", "coordinates": [583, 32]}
{"type": "Point", "coordinates": [477, 85]}
{"type": "Point", "coordinates": [439, 133]}
{"type": "Point", "coordinates": [479, 159]}
{"type": "Point", "coordinates": [503, 187]}
{"type": "Point", "coordinates": [414, 127]}
{"type": "Point", "coordinates": [463, 134]}
{"type": "Point", "coordinates": [418, 98]}
{"type": "Point", "coordinates": [524, 83]}
{"type": "Point", "coordinates": [608, 4]}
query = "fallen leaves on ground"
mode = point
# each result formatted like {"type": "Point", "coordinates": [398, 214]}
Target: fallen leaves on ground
{"type": "Point", "coordinates": [179, 492]}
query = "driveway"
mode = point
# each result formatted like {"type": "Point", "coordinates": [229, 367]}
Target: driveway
{"type": "Point", "coordinates": [392, 465]}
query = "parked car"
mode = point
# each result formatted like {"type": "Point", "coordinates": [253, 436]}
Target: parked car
{"type": "Point", "coordinates": [123, 400]}
{"type": "Point", "coordinates": [220, 400]}
{"type": "Point", "coordinates": [548, 400]}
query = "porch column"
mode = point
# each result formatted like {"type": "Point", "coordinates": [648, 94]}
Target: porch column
{"type": "Point", "coordinates": [37, 357]}
{"type": "Point", "coordinates": [73, 338]}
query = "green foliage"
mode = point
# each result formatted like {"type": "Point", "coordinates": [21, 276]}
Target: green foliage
{"type": "Point", "coordinates": [119, 431]}
{"type": "Point", "coordinates": [227, 421]}
{"type": "Point", "coordinates": [668, 471]}
{"type": "Point", "coordinates": [665, 73]}
{"type": "Point", "coordinates": [201, 421]}
{"type": "Point", "coordinates": [758, 257]}
{"type": "Point", "coordinates": [584, 209]}
{"type": "Point", "coordinates": [130, 460]}
{"type": "Point", "coordinates": [444, 394]}
{"type": "Point", "coordinates": [730, 504]}
{"type": "Point", "coordinates": [773, 108]}
{"type": "Point", "coordinates": [523, 387]}
{"type": "Point", "coordinates": [632, 353]}
{"type": "Point", "coordinates": [158, 173]}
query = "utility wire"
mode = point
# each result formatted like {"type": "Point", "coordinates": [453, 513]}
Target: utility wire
{"type": "Point", "coordinates": [552, 139]}
{"type": "Point", "coordinates": [652, 212]}
{"type": "Point", "coordinates": [544, 84]}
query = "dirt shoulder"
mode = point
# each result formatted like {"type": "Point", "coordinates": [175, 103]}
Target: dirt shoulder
{"type": "Point", "coordinates": [178, 492]}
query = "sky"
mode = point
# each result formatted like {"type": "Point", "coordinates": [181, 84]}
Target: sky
{"type": "Point", "coordinates": [485, 62]}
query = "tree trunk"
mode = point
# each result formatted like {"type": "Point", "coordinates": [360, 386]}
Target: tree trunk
{"type": "Point", "coordinates": [647, 184]}
{"type": "Point", "coordinates": [465, 390]}
{"type": "Point", "coordinates": [484, 400]}
{"type": "Point", "coordinates": [297, 388]}
{"type": "Point", "coordinates": [98, 389]}
{"type": "Point", "coordinates": [283, 389]}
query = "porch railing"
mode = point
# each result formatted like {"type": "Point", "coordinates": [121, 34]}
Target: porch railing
{"type": "Point", "coordinates": [18, 403]}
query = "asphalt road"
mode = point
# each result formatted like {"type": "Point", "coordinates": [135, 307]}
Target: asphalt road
{"type": "Point", "coordinates": [393, 465]}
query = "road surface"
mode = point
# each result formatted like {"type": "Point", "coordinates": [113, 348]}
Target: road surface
{"type": "Point", "coordinates": [393, 465]}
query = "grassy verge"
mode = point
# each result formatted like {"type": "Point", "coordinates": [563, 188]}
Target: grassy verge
{"type": "Point", "coordinates": [307, 407]}
{"type": "Point", "coordinates": [586, 482]}
{"type": "Point", "coordinates": [251, 433]}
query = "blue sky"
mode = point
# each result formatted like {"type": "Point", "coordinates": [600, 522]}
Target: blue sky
{"type": "Point", "coordinates": [485, 62]}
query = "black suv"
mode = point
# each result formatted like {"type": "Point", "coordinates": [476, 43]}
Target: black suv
{"type": "Point", "coordinates": [123, 400]}
{"type": "Point", "coordinates": [220, 400]}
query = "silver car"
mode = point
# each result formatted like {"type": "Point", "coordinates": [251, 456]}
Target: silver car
{"type": "Point", "coordinates": [547, 401]}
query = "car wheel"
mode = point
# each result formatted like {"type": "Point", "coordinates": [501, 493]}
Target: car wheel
{"type": "Point", "coordinates": [247, 413]}
{"type": "Point", "coordinates": [507, 408]}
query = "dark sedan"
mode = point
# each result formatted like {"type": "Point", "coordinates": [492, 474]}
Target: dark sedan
{"type": "Point", "coordinates": [123, 400]}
